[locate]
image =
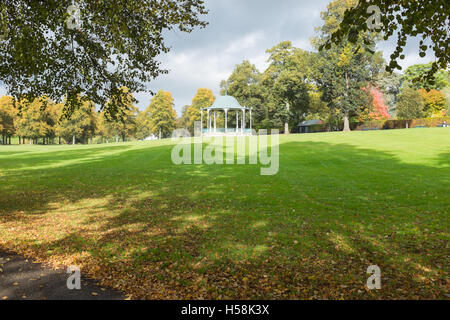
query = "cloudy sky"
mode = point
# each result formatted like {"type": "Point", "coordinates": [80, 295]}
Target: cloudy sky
{"type": "Point", "coordinates": [239, 30]}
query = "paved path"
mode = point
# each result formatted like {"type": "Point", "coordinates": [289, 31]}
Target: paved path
{"type": "Point", "coordinates": [21, 279]}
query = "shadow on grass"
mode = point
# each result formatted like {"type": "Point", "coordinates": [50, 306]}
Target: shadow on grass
{"type": "Point", "coordinates": [225, 231]}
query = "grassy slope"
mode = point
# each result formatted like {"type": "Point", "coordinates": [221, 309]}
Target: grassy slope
{"type": "Point", "coordinates": [339, 203]}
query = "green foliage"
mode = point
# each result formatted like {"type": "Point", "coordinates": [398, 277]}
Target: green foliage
{"type": "Point", "coordinates": [390, 84]}
{"type": "Point", "coordinates": [81, 126]}
{"type": "Point", "coordinates": [286, 82]}
{"type": "Point", "coordinates": [125, 125]}
{"type": "Point", "coordinates": [410, 104]}
{"type": "Point", "coordinates": [426, 18]}
{"type": "Point", "coordinates": [415, 76]}
{"type": "Point", "coordinates": [116, 46]}
{"type": "Point", "coordinates": [244, 85]}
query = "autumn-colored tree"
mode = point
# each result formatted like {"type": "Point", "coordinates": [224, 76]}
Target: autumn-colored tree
{"type": "Point", "coordinates": [446, 93]}
{"type": "Point", "coordinates": [36, 120]}
{"type": "Point", "coordinates": [204, 98]}
{"type": "Point", "coordinates": [434, 102]}
{"type": "Point", "coordinates": [379, 108]}
{"type": "Point", "coordinates": [390, 84]}
{"type": "Point", "coordinates": [81, 126]}
{"type": "Point", "coordinates": [143, 129]}
{"type": "Point", "coordinates": [162, 114]}
{"type": "Point", "coordinates": [410, 105]}
{"type": "Point", "coordinates": [8, 115]}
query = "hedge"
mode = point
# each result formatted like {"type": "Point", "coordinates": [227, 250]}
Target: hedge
{"type": "Point", "coordinates": [401, 124]}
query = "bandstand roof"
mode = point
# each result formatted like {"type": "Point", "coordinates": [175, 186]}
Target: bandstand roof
{"type": "Point", "coordinates": [226, 102]}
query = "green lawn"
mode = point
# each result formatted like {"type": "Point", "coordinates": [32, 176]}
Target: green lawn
{"type": "Point", "coordinates": [339, 203]}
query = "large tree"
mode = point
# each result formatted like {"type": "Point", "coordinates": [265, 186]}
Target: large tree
{"type": "Point", "coordinates": [346, 68]}
{"type": "Point", "coordinates": [63, 49]}
{"type": "Point", "coordinates": [244, 85]}
{"type": "Point", "coordinates": [287, 82]}
{"type": "Point", "coordinates": [428, 19]}
{"type": "Point", "coordinates": [162, 114]}
{"type": "Point", "coordinates": [410, 105]}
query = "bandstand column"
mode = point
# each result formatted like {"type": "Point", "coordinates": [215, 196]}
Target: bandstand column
{"type": "Point", "coordinates": [243, 120]}
{"type": "Point", "coordinates": [237, 121]}
{"type": "Point", "coordinates": [208, 123]}
{"type": "Point", "coordinates": [250, 120]}
{"type": "Point", "coordinates": [214, 121]}
{"type": "Point", "coordinates": [226, 120]}
{"type": "Point", "coordinates": [201, 121]}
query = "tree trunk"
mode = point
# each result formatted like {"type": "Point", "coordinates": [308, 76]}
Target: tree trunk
{"type": "Point", "coordinates": [286, 124]}
{"type": "Point", "coordinates": [160, 134]}
{"type": "Point", "coordinates": [117, 139]}
{"type": "Point", "coordinates": [346, 123]}
{"type": "Point", "coordinates": [407, 125]}
{"type": "Point", "coordinates": [73, 139]}
{"type": "Point", "coordinates": [59, 140]}
{"type": "Point", "coordinates": [10, 140]}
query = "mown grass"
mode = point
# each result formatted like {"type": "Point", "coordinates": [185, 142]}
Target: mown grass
{"type": "Point", "coordinates": [339, 203]}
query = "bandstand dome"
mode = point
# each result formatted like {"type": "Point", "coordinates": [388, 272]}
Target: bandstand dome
{"type": "Point", "coordinates": [226, 102]}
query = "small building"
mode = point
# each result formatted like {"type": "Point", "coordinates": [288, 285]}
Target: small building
{"type": "Point", "coordinates": [311, 126]}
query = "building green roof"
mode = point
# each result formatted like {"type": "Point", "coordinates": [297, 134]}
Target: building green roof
{"type": "Point", "coordinates": [310, 123]}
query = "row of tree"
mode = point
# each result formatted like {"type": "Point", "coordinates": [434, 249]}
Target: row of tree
{"type": "Point", "coordinates": [43, 121]}
{"type": "Point", "coordinates": [345, 83]}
